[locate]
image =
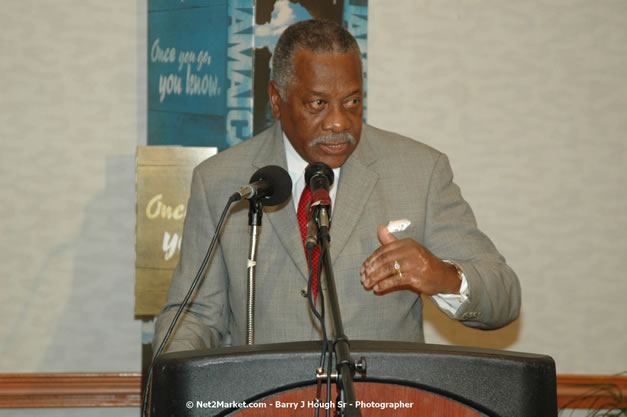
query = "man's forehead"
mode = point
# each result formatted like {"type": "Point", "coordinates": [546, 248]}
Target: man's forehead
{"type": "Point", "coordinates": [323, 93]}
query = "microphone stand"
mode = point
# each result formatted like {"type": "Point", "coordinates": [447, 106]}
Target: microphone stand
{"type": "Point", "coordinates": [255, 213]}
{"type": "Point", "coordinates": [344, 363]}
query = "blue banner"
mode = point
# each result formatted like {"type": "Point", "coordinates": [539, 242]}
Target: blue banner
{"type": "Point", "coordinates": [187, 73]}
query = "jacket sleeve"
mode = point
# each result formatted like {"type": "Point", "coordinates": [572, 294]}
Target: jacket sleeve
{"type": "Point", "coordinates": [451, 233]}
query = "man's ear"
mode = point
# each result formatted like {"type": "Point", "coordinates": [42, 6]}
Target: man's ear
{"type": "Point", "coordinates": [275, 99]}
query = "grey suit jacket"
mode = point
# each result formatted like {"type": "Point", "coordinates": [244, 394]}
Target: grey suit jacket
{"type": "Point", "coordinates": [388, 177]}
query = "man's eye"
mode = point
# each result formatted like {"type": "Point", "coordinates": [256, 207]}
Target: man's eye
{"type": "Point", "coordinates": [317, 104]}
{"type": "Point", "coordinates": [352, 103]}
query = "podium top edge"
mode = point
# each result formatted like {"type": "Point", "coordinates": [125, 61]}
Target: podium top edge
{"type": "Point", "coordinates": [357, 347]}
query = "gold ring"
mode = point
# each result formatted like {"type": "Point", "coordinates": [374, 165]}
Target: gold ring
{"type": "Point", "coordinates": [397, 268]}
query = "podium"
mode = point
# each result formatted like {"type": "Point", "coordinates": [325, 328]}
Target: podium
{"type": "Point", "coordinates": [402, 379]}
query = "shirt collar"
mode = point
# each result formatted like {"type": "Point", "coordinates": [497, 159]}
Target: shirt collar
{"type": "Point", "coordinates": [296, 169]}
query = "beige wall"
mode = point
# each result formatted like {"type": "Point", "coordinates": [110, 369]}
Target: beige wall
{"type": "Point", "coordinates": [72, 110]}
{"type": "Point", "coordinates": [527, 98]}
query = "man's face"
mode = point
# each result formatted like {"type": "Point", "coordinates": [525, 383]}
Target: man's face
{"type": "Point", "coordinates": [321, 115]}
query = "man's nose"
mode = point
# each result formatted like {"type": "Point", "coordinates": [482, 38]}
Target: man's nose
{"type": "Point", "coordinates": [336, 120]}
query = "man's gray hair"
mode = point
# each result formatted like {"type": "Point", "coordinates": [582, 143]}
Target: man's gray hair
{"type": "Point", "coordinates": [317, 36]}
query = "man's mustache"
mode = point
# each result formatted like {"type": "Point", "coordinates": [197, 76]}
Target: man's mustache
{"type": "Point", "coordinates": [333, 139]}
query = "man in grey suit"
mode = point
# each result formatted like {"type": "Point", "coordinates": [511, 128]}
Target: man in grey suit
{"type": "Point", "coordinates": [316, 95]}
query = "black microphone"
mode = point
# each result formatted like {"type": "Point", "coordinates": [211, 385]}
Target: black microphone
{"type": "Point", "coordinates": [320, 178]}
{"type": "Point", "coordinates": [271, 185]}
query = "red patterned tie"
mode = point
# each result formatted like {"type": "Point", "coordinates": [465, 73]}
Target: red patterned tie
{"type": "Point", "coordinates": [303, 218]}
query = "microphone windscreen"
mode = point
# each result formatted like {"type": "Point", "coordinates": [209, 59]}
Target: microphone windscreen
{"type": "Point", "coordinates": [319, 170]}
{"type": "Point", "coordinates": [281, 184]}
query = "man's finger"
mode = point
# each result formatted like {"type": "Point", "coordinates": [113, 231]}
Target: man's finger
{"type": "Point", "coordinates": [384, 235]}
{"type": "Point", "coordinates": [380, 269]}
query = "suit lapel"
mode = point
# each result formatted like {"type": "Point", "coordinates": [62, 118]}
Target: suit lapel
{"type": "Point", "coordinates": [282, 218]}
{"type": "Point", "coordinates": [357, 181]}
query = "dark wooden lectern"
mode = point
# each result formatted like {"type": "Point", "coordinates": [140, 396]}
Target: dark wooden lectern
{"type": "Point", "coordinates": [403, 379]}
